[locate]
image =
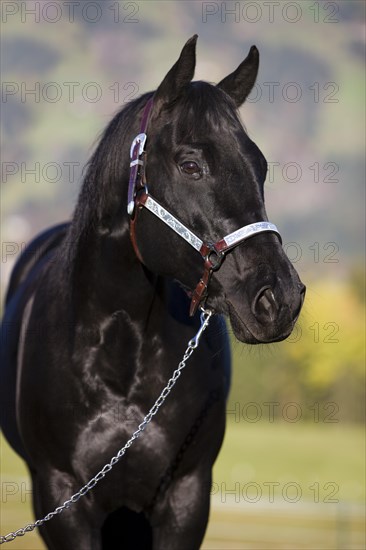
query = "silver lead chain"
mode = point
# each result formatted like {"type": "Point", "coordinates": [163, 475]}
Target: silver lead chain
{"type": "Point", "coordinates": [192, 345]}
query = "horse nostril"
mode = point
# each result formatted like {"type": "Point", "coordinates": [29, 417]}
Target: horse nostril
{"type": "Point", "coordinates": [265, 305]}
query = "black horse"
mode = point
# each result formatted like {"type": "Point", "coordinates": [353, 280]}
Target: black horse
{"type": "Point", "coordinates": [97, 316]}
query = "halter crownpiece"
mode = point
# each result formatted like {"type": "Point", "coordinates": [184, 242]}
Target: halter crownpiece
{"type": "Point", "coordinates": [139, 197]}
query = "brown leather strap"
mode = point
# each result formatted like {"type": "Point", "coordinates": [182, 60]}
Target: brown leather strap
{"type": "Point", "coordinates": [200, 292]}
{"type": "Point", "coordinates": [133, 235]}
{"type": "Point", "coordinates": [140, 200]}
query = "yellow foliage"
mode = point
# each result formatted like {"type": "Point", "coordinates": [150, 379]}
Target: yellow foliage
{"type": "Point", "coordinates": [329, 339]}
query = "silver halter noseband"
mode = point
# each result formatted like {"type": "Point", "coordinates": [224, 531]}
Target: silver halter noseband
{"type": "Point", "coordinates": [139, 197]}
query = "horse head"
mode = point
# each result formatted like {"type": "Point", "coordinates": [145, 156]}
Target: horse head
{"type": "Point", "coordinates": [205, 170]}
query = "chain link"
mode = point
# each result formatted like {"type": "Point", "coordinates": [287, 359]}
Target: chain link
{"type": "Point", "coordinates": [192, 345]}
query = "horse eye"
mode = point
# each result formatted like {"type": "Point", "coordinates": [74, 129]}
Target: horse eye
{"type": "Point", "coordinates": [190, 167]}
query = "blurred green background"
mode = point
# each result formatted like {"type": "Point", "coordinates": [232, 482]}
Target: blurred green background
{"type": "Point", "coordinates": [291, 471]}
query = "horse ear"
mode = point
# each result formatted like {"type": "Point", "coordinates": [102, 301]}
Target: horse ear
{"type": "Point", "coordinates": [178, 77]}
{"type": "Point", "coordinates": [239, 84]}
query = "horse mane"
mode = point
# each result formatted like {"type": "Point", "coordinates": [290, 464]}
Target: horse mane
{"type": "Point", "coordinates": [103, 186]}
{"type": "Point", "coordinates": [106, 168]}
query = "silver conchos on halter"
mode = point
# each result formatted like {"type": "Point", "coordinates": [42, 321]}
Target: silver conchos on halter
{"type": "Point", "coordinates": [178, 227]}
{"type": "Point", "coordinates": [168, 218]}
{"type": "Point", "coordinates": [247, 231]}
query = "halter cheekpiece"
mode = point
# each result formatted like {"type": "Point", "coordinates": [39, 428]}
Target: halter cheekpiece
{"type": "Point", "coordinates": [139, 197]}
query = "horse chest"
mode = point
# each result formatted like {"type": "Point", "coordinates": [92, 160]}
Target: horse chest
{"type": "Point", "coordinates": [170, 446]}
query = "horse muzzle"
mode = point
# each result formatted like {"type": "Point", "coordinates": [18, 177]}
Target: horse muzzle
{"type": "Point", "coordinates": [268, 317]}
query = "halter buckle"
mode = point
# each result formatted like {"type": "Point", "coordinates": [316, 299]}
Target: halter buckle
{"type": "Point", "coordinates": [136, 167]}
{"type": "Point", "coordinates": [141, 140]}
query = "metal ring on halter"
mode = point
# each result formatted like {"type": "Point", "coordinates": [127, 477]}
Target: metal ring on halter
{"type": "Point", "coordinates": [214, 257]}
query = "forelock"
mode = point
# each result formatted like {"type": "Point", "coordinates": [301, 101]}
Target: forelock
{"type": "Point", "coordinates": [204, 108]}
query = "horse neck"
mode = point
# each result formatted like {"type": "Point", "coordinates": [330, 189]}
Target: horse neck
{"type": "Point", "coordinates": [105, 273]}
{"type": "Point", "coordinates": [106, 277]}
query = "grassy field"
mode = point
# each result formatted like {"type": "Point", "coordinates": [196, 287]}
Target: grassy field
{"type": "Point", "coordinates": [276, 486]}
{"type": "Point", "coordinates": [289, 486]}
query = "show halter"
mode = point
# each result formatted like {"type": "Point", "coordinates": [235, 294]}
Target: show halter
{"type": "Point", "coordinates": [139, 197]}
